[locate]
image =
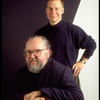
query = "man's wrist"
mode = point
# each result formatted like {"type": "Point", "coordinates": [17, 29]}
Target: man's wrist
{"type": "Point", "coordinates": [82, 61]}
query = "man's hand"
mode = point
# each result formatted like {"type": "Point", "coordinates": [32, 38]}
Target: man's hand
{"type": "Point", "coordinates": [35, 95]}
{"type": "Point", "coordinates": [78, 66]}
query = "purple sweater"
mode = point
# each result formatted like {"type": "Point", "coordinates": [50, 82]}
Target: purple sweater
{"type": "Point", "coordinates": [66, 40]}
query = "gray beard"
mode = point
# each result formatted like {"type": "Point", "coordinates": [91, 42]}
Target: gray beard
{"type": "Point", "coordinates": [34, 69]}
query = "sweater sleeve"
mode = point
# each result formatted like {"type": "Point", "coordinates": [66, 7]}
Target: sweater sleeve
{"type": "Point", "coordinates": [84, 41]}
{"type": "Point", "coordinates": [90, 45]}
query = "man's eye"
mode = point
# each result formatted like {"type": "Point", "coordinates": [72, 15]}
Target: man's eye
{"type": "Point", "coordinates": [50, 8]}
{"type": "Point", "coordinates": [57, 9]}
{"type": "Point", "coordinates": [28, 52]}
{"type": "Point", "coordinates": [36, 51]}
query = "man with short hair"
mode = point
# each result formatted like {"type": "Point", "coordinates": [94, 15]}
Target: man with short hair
{"type": "Point", "coordinates": [44, 78]}
{"type": "Point", "coordinates": [66, 39]}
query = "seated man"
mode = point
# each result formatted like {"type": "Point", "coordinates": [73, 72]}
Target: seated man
{"type": "Point", "coordinates": [44, 78]}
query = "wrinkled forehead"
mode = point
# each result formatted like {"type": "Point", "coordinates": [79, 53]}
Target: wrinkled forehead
{"type": "Point", "coordinates": [35, 43]}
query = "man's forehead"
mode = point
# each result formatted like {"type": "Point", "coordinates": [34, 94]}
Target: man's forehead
{"type": "Point", "coordinates": [35, 42]}
{"type": "Point", "coordinates": [54, 3]}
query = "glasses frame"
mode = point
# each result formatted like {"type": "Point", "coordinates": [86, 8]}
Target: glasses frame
{"type": "Point", "coordinates": [28, 53]}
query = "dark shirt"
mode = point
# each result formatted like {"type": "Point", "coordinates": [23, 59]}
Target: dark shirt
{"type": "Point", "coordinates": [55, 81]}
{"type": "Point", "coordinates": [66, 40]}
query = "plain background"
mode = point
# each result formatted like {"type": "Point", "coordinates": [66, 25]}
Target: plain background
{"type": "Point", "coordinates": [21, 18]}
{"type": "Point", "coordinates": [87, 18]}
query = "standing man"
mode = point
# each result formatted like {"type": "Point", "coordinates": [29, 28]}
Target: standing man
{"type": "Point", "coordinates": [44, 78]}
{"type": "Point", "coordinates": [66, 39]}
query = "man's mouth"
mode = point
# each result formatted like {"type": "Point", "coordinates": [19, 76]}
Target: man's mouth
{"type": "Point", "coordinates": [33, 61]}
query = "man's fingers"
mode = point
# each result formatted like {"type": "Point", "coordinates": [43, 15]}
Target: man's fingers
{"type": "Point", "coordinates": [76, 71]}
{"type": "Point", "coordinates": [74, 66]}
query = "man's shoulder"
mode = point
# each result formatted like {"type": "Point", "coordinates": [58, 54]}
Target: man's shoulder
{"type": "Point", "coordinates": [71, 25]}
{"type": "Point", "coordinates": [59, 65]}
{"type": "Point", "coordinates": [58, 69]}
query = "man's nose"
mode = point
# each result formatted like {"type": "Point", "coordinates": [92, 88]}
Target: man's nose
{"type": "Point", "coordinates": [32, 55]}
{"type": "Point", "coordinates": [53, 11]}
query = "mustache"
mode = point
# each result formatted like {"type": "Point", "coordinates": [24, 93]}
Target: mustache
{"type": "Point", "coordinates": [33, 59]}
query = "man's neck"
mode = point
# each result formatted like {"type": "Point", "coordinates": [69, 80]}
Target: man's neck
{"type": "Point", "coordinates": [54, 23]}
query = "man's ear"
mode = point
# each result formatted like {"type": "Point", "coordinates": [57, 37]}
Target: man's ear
{"type": "Point", "coordinates": [62, 10]}
{"type": "Point", "coordinates": [48, 53]}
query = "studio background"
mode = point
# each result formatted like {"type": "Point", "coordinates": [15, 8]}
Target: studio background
{"type": "Point", "coordinates": [21, 18]}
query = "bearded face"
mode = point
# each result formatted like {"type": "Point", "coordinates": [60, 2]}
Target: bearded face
{"type": "Point", "coordinates": [36, 54]}
{"type": "Point", "coordinates": [34, 65]}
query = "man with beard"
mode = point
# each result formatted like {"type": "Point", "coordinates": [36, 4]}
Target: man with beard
{"type": "Point", "coordinates": [44, 78]}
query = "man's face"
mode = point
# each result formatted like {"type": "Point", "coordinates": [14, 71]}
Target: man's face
{"type": "Point", "coordinates": [54, 11]}
{"type": "Point", "coordinates": [36, 62]}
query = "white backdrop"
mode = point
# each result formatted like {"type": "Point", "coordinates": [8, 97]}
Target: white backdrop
{"type": "Point", "coordinates": [88, 19]}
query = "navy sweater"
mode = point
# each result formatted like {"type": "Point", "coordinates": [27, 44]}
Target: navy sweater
{"type": "Point", "coordinates": [66, 40]}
